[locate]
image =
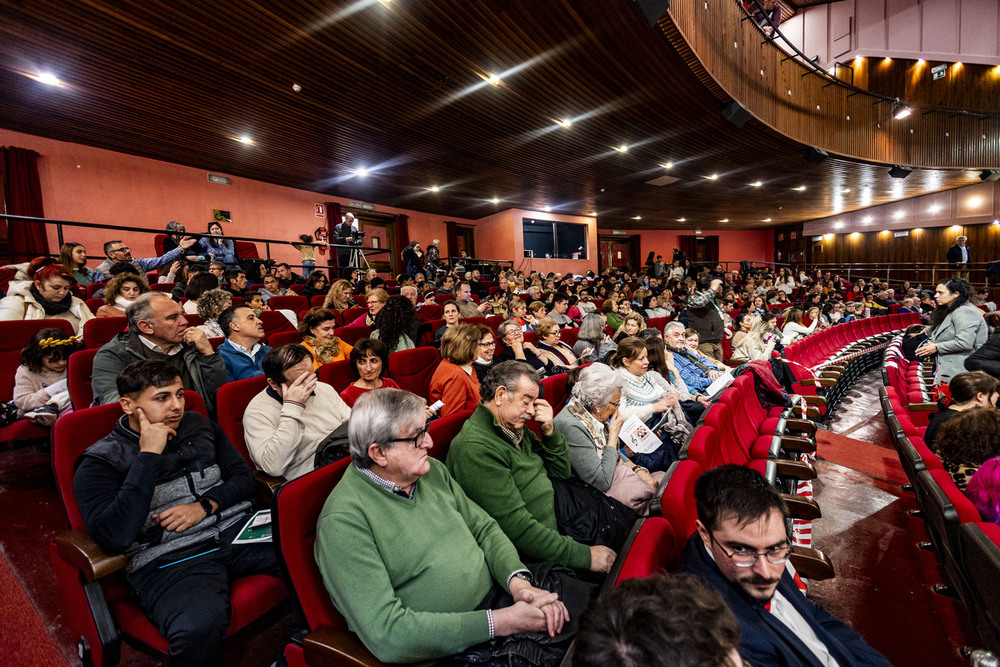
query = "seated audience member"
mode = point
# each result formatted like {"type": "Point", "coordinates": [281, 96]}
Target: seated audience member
{"type": "Point", "coordinates": [210, 306]}
{"type": "Point", "coordinates": [369, 362]}
{"type": "Point", "coordinates": [652, 308]}
{"type": "Point", "coordinates": [697, 372]}
{"type": "Point", "coordinates": [759, 342]}
{"type": "Point", "coordinates": [318, 329]}
{"type": "Point", "coordinates": [242, 351]}
{"type": "Point", "coordinates": [450, 315]}
{"type": "Point", "coordinates": [453, 580]}
{"type": "Point", "coordinates": [549, 343]}
{"type": "Point", "coordinates": [287, 277]}
{"type": "Point", "coordinates": [914, 336]}
{"type": "Point", "coordinates": [454, 381]}
{"type": "Point", "coordinates": [273, 288]}
{"type": "Point", "coordinates": [983, 490]}
{"type": "Point", "coordinates": [40, 391]}
{"type": "Point", "coordinates": [742, 324]}
{"type": "Point", "coordinates": [559, 313]}
{"type": "Point", "coordinates": [120, 291]}
{"type": "Point", "coordinates": [515, 348]}
{"type": "Point", "coordinates": [740, 550]}
{"type": "Point", "coordinates": [974, 389]}
{"type": "Point", "coordinates": [317, 284]}
{"type": "Point", "coordinates": [157, 331]}
{"type": "Point", "coordinates": [486, 357]}
{"type": "Point", "coordinates": [508, 471]}
{"type": "Point", "coordinates": [661, 360]}
{"type": "Point", "coordinates": [447, 285]}
{"type": "Point", "coordinates": [375, 299]}
{"type": "Point", "coordinates": [46, 295]}
{"type": "Point", "coordinates": [197, 286]}
{"type": "Point", "coordinates": [649, 396]}
{"type": "Point", "coordinates": [73, 256]}
{"type": "Point", "coordinates": [409, 292]}
{"type": "Point", "coordinates": [215, 245]}
{"type": "Point", "coordinates": [284, 424]}
{"type": "Point", "coordinates": [592, 342]}
{"type": "Point", "coordinates": [138, 498]}
{"type": "Point", "coordinates": [217, 269]}
{"type": "Point", "coordinates": [658, 621]}
{"type": "Point", "coordinates": [396, 324]}
{"type": "Point", "coordinates": [175, 234]}
{"type": "Point", "coordinates": [966, 441]}
{"type": "Point", "coordinates": [793, 330]}
{"type": "Point", "coordinates": [234, 281]}
{"type": "Point", "coordinates": [117, 251]}
{"type": "Point", "coordinates": [339, 297]}
{"type": "Point", "coordinates": [466, 306]}
{"type": "Point", "coordinates": [631, 325]}
{"type": "Point", "coordinates": [611, 315]}
{"type": "Point", "coordinates": [987, 357]}
{"type": "Point", "coordinates": [255, 302]}
{"type": "Point", "coordinates": [591, 422]}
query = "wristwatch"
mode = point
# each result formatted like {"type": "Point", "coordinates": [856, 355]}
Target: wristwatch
{"type": "Point", "coordinates": [206, 505]}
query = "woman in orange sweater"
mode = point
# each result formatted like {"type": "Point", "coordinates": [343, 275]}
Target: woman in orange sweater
{"type": "Point", "coordinates": [454, 382]}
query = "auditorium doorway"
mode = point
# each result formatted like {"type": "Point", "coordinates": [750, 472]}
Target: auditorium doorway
{"type": "Point", "coordinates": [618, 252]}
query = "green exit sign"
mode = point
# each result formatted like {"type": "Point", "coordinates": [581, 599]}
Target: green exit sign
{"type": "Point", "coordinates": [938, 72]}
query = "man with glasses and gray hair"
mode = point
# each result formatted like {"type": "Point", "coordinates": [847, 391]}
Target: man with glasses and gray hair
{"type": "Point", "coordinates": [419, 570]}
{"type": "Point", "coordinates": [740, 549]}
{"type": "Point", "coordinates": [117, 251]}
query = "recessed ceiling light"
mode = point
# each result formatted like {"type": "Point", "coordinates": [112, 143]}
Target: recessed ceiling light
{"type": "Point", "coordinates": [935, 208]}
{"type": "Point", "coordinates": [667, 165]}
{"type": "Point", "coordinates": [858, 58]}
{"type": "Point", "coordinates": [957, 65]}
{"type": "Point", "coordinates": [637, 217]}
{"type": "Point", "coordinates": [434, 188]}
{"type": "Point", "coordinates": [622, 149]}
{"type": "Point", "coordinates": [801, 188]}
{"type": "Point", "coordinates": [766, 220]}
{"type": "Point", "coordinates": [866, 219]}
{"type": "Point", "coordinates": [565, 122]}
{"type": "Point", "coordinates": [713, 177]}
{"type": "Point", "coordinates": [724, 220]}
{"type": "Point", "coordinates": [897, 215]}
{"type": "Point", "coordinates": [593, 213]}
{"type": "Point", "coordinates": [887, 59]}
{"type": "Point", "coordinates": [681, 219]}
{"type": "Point", "coordinates": [547, 209]}
{"type": "Point", "coordinates": [756, 184]}
{"type": "Point", "coordinates": [48, 79]}
{"type": "Point", "coordinates": [495, 200]}
{"type": "Point", "coordinates": [493, 80]}
{"type": "Point", "coordinates": [846, 190]}
{"type": "Point", "coordinates": [296, 88]}
{"type": "Point", "coordinates": [245, 140]}
{"type": "Point", "coordinates": [361, 172]}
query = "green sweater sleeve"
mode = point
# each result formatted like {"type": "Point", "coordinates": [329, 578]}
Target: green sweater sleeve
{"type": "Point", "coordinates": [488, 481]}
{"type": "Point", "coordinates": [359, 585]}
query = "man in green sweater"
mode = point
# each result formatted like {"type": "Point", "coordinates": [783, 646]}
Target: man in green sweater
{"type": "Point", "coordinates": [419, 571]}
{"type": "Point", "coordinates": [505, 469]}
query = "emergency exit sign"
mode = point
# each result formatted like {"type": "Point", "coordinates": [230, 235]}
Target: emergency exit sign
{"type": "Point", "coordinates": [938, 72]}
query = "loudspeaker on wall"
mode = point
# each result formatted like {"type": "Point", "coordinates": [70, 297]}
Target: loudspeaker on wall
{"type": "Point", "coordinates": [652, 10]}
{"type": "Point", "coordinates": [735, 113]}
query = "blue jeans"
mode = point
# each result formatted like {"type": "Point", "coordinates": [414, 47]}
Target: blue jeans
{"type": "Point", "coordinates": [308, 266]}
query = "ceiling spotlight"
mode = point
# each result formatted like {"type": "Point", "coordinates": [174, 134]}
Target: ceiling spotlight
{"type": "Point", "coordinates": [724, 220]}
{"type": "Point", "coordinates": [887, 59]}
{"type": "Point", "coordinates": [593, 214]}
{"type": "Point", "coordinates": [547, 209]}
{"type": "Point", "coordinates": [434, 188]}
{"type": "Point", "coordinates": [361, 172]}
{"type": "Point", "coordinates": [681, 219]}
{"type": "Point", "coordinates": [493, 80]}
{"type": "Point", "coordinates": [565, 123]}
{"type": "Point", "coordinates": [756, 184]}
{"type": "Point", "coordinates": [846, 190]}
{"type": "Point", "coordinates": [637, 217]}
{"type": "Point", "coordinates": [866, 219]}
{"type": "Point", "coordinates": [713, 177]}
{"type": "Point", "coordinates": [898, 215]}
{"type": "Point", "coordinates": [296, 88]}
{"type": "Point", "coordinates": [957, 65]}
{"type": "Point", "coordinates": [899, 172]}
{"type": "Point", "coordinates": [935, 208]}
{"type": "Point", "coordinates": [622, 149]}
{"type": "Point", "coordinates": [667, 165]}
{"type": "Point", "coordinates": [495, 200]}
{"type": "Point", "coordinates": [900, 111]}
{"type": "Point", "coordinates": [48, 79]}
{"type": "Point", "coordinates": [766, 220]}
{"type": "Point", "coordinates": [801, 188]}
{"type": "Point", "coordinates": [245, 140]}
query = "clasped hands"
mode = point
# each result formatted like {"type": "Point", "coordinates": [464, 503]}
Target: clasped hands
{"type": "Point", "coordinates": [534, 610]}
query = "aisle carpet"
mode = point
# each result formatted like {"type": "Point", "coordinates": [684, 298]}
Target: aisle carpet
{"type": "Point", "coordinates": [858, 455]}
{"type": "Point", "coordinates": [24, 640]}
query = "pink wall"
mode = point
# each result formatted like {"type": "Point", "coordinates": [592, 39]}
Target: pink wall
{"type": "Point", "coordinates": [755, 245]}
{"type": "Point", "coordinates": [85, 184]}
{"type": "Point", "coordinates": [498, 233]}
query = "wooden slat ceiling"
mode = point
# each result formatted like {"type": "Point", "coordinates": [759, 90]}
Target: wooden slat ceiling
{"type": "Point", "coordinates": [398, 88]}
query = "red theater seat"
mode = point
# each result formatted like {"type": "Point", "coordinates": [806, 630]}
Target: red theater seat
{"type": "Point", "coordinates": [412, 369]}
{"type": "Point", "coordinates": [444, 430]}
{"type": "Point", "coordinates": [337, 374]}
{"type": "Point", "coordinates": [79, 373]}
{"type": "Point", "coordinates": [100, 330]}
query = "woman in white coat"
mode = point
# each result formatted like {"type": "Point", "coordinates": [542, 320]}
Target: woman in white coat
{"type": "Point", "coordinates": [46, 295]}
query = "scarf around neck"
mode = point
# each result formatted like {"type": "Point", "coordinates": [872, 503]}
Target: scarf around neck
{"type": "Point", "coordinates": [598, 432]}
{"type": "Point", "coordinates": [52, 307]}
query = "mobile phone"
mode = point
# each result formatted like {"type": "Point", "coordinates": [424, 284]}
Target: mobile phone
{"type": "Point", "coordinates": [437, 406]}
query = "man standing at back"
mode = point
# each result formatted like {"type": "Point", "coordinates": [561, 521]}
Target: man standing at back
{"type": "Point", "coordinates": [705, 317]}
{"type": "Point", "coordinates": [958, 258]}
{"type": "Point", "coordinates": [740, 549]}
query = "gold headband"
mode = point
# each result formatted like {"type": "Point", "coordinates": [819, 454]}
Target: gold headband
{"type": "Point", "coordinates": [47, 343]}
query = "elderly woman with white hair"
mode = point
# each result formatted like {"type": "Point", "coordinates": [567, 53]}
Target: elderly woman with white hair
{"type": "Point", "coordinates": [591, 422]}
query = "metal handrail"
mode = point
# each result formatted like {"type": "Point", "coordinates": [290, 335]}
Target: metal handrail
{"type": "Point", "coordinates": [893, 270]}
{"type": "Point", "coordinates": [816, 70]}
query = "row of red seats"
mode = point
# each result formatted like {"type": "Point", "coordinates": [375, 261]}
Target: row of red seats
{"type": "Point", "coordinates": [832, 343]}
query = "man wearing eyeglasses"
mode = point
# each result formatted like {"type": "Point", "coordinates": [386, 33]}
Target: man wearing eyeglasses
{"type": "Point", "coordinates": [741, 549]}
{"type": "Point", "coordinates": [117, 251]}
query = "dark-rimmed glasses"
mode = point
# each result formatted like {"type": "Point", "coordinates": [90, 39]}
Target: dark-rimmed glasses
{"type": "Point", "coordinates": [415, 440]}
{"type": "Point", "coordinates": [774, 555]}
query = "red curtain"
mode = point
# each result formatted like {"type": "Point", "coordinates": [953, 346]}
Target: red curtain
{"type": "Point", "coordinates": [712, 249]}
{"type": "Point", "coordinates": [402, 240]}
{"type": "Point", "coordinates": [22, 195]}
{"type": "Point", "coordinates": [451, 238]}
{"type": "Point", "coordinates": [689, 247]}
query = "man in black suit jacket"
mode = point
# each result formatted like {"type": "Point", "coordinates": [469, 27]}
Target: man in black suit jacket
{"type": "Point", "coordinates": [958, 258]}
{"type": "Point", "coordinates": [740, 550]}
{"type": "Point", "coordinates": [345, 233]}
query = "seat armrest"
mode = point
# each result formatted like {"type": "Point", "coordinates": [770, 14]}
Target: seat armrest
{"type": "Point", "coordinates": [839, 368]}
{"type": "Point", "coordinates": [267, 486]}
{"type": "Point", "coordinates": [821, 381]}
{"type": "Point", "coordinates": [733, 363]}
{"type": "Point", "coordinates": [829, 375]}
{"type": "Point", "coordinates": [800, 507]}
{"type": "Point", "coordinates": [796, 444]}
{"type": "Point", "coordinates": [329, 646]}
{"type": "Point", "coordinates": [813, 400]}
{"type": "Point", "coordinates": [77, 549]}
{"type": "Point", "coordinates": [811, 563]}
{"type": "Point", "coordinates": [794, 469]}
{"type": "Point", "coordinates": [811, 411]}
{"type": "Point", "coordinates": [800, 426]}
{"type": "Point", "coordinates": [923, 407]}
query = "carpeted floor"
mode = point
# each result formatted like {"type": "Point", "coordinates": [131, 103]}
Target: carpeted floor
{"type": "Point", "coordinates": [20, 621]}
